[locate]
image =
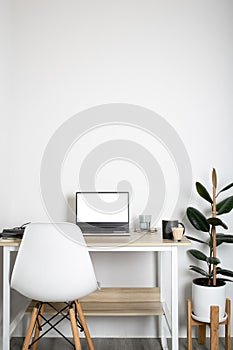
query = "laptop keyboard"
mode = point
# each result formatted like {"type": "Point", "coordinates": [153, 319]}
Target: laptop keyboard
{"type": "Point", "coordinates": [105, 231]}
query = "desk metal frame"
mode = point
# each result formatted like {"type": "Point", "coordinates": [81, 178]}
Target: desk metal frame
{"type": "Point", "coordinates": [141, 243]}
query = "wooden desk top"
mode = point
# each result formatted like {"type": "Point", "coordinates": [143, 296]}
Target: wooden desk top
{"type": "Point", "coordinates": [135, 239]}
{"type": "Point", "coordinates": [9, 242]}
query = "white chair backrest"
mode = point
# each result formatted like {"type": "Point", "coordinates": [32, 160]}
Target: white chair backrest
{"type": "Point", "coordinates": [53, 263]}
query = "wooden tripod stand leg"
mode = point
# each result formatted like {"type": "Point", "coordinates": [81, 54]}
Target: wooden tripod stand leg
{"type": "Point", "coordinates": [202, 334]}
{"type": "Point", "coordinates": [189, 324]}
{"type": "Point", "coordinates": [30, 328]}
{"type": "Point", "coordinates": [214, 328]}
{"type": "Point", "coordinates": [228, 325]}
{"type": "Point", "coordinates": [84, 324]}
{"type": "Point", "coordinates": [74, 329]}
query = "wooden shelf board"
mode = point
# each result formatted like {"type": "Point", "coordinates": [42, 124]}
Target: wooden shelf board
{"type": "Point", "coordinates": [120, 302]}
{"type": "Point", "coordinates": [123, 309]}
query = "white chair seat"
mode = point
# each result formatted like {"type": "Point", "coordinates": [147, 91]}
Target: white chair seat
{"type": "Point", "coordinates": [54, 265]}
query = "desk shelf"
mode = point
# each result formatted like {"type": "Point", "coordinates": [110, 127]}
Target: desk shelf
{"type": "Point", "coordinates": [120, 302]}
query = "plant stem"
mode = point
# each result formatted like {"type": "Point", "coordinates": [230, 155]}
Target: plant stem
{"type": "Point", "coordinates": [213, 229]}
{"type": "Point", "coordinates": [209, 264]}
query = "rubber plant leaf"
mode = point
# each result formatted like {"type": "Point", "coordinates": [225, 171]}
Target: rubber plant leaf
{"type": "Point", "coordinates": [196, 239]}
{"type": "Point", "coordinates": [221, 238]}
{"type": "Point", "coordinates": [224, 272]}
{"type": "Point", "coordinates": [199, 270]}
{"type": "Point", "coordinates": [225, 206]}
{"type": "Point", "coordinates": [197, 219]}
{"type": "Point", "coordinates": [212, 260]}
{"type": "Point", "coordinates": [203, 192]}
{"type": "Point", "coordinates": [198, 254]}
{"type": "Point", "coordinates": [217, 222]}
{"type": "Point", "coordinates": [226, 188]}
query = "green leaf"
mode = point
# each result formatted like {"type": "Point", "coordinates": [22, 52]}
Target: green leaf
{"type": "Point", "coordinates": [226, 188]}
{"type": "Point", "coordinates": [216, 222]}
{"type": "Point", "coordinates": [203, 192]}
{"type": "Point", "coordinates": [199, 270]}
{"type": "Point", "coordinates": [225, 206]}
{"type": "Point", "coordinates": [196, 239]}
{"type": "Point", "coordinates": [198, 254]}
{"type": "Point", "coordinates": [197, 219]}
{"type": "Point", "coordinates": [213, 261]}
{"type": "Point", "coordinates": [221, 238]}
{"type": "Point", "coordinates": [224, 272]}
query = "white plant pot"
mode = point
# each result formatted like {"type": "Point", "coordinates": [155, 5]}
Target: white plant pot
{"type": "Point", "coordinates": [205, 296]}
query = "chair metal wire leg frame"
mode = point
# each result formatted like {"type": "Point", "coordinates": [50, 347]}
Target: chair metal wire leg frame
{"type": "Point", "coordinates": [38, 321]}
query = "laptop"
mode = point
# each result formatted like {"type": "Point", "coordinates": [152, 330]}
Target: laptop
{"type": "Point", "coordinates": [103, 213]}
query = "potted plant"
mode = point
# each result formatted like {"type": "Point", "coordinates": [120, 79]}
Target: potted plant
{"type": "Point", "coordinates": [210, 289]}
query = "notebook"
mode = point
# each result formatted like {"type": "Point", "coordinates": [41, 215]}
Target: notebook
{"type": "Point", "coordinates": [103, 213]}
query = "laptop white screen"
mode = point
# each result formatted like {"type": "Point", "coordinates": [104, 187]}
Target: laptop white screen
{"type": "Point", "coordinates": [102, 207]}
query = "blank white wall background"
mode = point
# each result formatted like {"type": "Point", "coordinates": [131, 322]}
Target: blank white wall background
{"type": "Point", "coordinates": [5, 36]}
{"type": "Point", "coordinates": [4, 118]}
{"type": "Point", "coordinates": [174, 57]}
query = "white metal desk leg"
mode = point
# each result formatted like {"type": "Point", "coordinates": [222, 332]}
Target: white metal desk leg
{"type": "Point", "coordinates": [161, 286]}
{"type": "Point", "coordinates": [175, 330]}
{"type": "Point", "coordinates": [6, 299]}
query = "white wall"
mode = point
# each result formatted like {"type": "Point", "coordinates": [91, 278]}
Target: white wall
{"type": "Point", "coordinates": [172, 57]}
{"type": "Point", "coordinates": [5, 105]}
{"type": "Point", "coordinates": [5, 35]}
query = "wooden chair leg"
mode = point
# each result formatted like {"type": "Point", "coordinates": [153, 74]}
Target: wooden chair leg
{"type": "Point", "coordinates": [38, 327]}
{"type": "Point", "coordinates": [74, 329]}
{"type": "Point", "coordinates": [214, 328]}
{"type": "Point", "coordinates": [202, 334]}
{"type": "Point", "coordinates": [189, 324]}
{"type": "Point", "coordinates": [30, 328]}
{"type": "Point", "coordinates": [84, 324]}
{"type": "Point", "coordinates": [228, 325]}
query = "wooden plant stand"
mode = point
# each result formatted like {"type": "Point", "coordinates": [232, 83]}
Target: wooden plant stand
{"type": "Point", "coordinates": [213, 324]}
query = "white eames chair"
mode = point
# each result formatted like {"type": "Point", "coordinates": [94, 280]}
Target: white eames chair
{"type": "Point", "coordinates": [54, 265]}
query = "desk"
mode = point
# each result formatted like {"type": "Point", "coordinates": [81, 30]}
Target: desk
{"type": "Point", "coordinates": [136, 242]}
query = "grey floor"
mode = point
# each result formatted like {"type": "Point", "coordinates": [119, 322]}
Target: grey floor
{"type": "Point", "coordinates": [112, 344]}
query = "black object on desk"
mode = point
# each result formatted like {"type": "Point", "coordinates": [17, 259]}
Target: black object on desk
{"type": "Point", "coordinates": [15, 232]}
